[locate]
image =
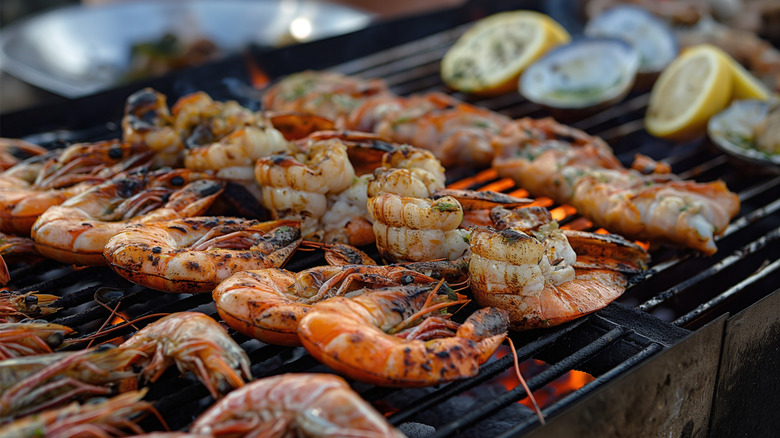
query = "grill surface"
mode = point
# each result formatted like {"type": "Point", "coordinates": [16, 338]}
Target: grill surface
{"type": "Point", "coordinates": [680, 293]}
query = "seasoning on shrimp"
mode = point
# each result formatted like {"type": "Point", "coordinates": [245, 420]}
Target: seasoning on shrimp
{"type": "Point", "coordinates": [397, 336]}
{"type": "Point", "coordinates": [267, 304]}
{"type": "Point", "coordinates": [532, 268]}
{"type": "Point", "coordinates": [312, 405]}
{"type": "Point", "coordinates": [195, 254]}
{"type": "Point", "coordinates": [77, 231]}
{"type": "Point", "coordinates": [30, 187]}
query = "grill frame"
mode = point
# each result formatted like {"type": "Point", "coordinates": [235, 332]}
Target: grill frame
{"type": "Point", "coordinates": [631, 340]}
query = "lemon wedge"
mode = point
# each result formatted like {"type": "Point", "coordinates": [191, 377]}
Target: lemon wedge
{"type": "Point", "coordinates": [746, 86]}
{"type": "Point", "coordinates": [490, 56]}
{"type": "Point", "coordinates": [694, 87]}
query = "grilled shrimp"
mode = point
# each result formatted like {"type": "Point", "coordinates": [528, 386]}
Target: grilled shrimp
{"type": "Point", "coordinates": [312, 405]}
{"type": "Point", "coordinates": [33, 383]}
{"type": "Point", "coordinates": [296, 186]}
{"type": "Point", "coordinates": [195, 342]}
{"type": "Point", "coordinates": [267, 304]}
{"type": "Point", "coordinates": [38, 185]}
{"type": "Point", "coordinates": [30, 338]}
{"type": "Point", "coordinates": [147, 120]}
{"type": "Point", "coordinates": [195, 254]}
{"type": "Point", "coordinates": [98, 417]}
{"type": "Point", "coordinates": [377, 336]}
{"type": "Point", "coordinates": [330, 95]}
{"type": "Point", "coordinates": [233, 157]}
{"type": "Point", "coordinates": [456, 132]}
{"type": "Point", "coordinates": [531, 268]}
{"type": "Point", "coordinates": [15, 307]}
{"type": "Point", "coordinates": [13, 151]}
{"type": "Point", "coordinates": [417, 229]}
{"type": "Point", "coordinates": [549, 159]}
{"type": "Point", "coordinates": [77, 230]}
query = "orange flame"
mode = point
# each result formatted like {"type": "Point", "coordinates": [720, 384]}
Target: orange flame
{"type": "Point", "coordinates": [562, 212]}
{"type": "Point", "coordinates": [257, 77]}
{"type": "Point", "coordinates": [550, 393]}
{"type": "Point", "coordinates": [485, 175]}
{"type": "Point", "coordinates": [500, 185]}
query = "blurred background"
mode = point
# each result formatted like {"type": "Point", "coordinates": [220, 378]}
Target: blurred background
{"type": "Point", "coordinates": [16, 94]}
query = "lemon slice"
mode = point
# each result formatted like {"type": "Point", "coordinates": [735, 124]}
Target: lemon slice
{"type": "Point", "coordinates": [490, 56]}
{"type": "Point", "coordinates": [694, 87]}
{"type": "Point", "coordinates": [746, 86]}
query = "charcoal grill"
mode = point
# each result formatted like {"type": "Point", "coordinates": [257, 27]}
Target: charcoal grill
{"type": "Point", "coordinates": [689, 350]}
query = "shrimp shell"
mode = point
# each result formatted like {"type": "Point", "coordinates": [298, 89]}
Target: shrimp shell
{"type": "Point", "coordinates": [350, 336]}
{"type": "Point", "coordinates": [77, 231]}
{"type": "Point", "coordinates": [312, 405]}
{"type": "Point", "coordinates": [195, 342]}
{"type": "Point", "coordinates": [267, 304]}
{"type": "Point", "coordinates": [195, 254]}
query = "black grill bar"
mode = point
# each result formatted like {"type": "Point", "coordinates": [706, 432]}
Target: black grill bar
{"type": "Point", "coordinates": [536, 382]}
{"type": "Point", "coordinates": [763, 273]}
{"type": "Point", "coordinates": [732, 259]}
{"type": "Point", "coordinates": [487, 372]}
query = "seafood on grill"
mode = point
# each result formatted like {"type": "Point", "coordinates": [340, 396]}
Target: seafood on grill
{"type": "Point", "coordinates": [14, 150]}
{"type": "Point", "coordinates": [400, 335]}
{"type": "Point", "coordinates": [34, 185]}
{"type": "Point", "coordinates": [543, 275]}
{"type": "Point", "coordinates": [415, 229]}
{"type": "Point", "coordinates": [296, 186]}
{"type": "Point", "coordinates": [30, 338]}
{"type": "Point", "coordinates": [312, 405]}
{"type": "Point", "coordinates": [195, 254]}
{"type": "Point", "coordinates": [456, 132]}
{"type": "Point", "coordinates": [267, 304]}
{"type": "Point", "coordinates": [15, 248]}
{"type": "Point", "coordinates": [116, 416]}
{"type": "Point", "coordinates": [34, 383]}
{"type": "Point", "coordinates": [550, 159]}
{"type": "Point", "coordinates": [77, 230]}
{"type": "Point", "coordinates": [328, 94]}
{"type": "Point", "coordinates": [15, 306]}
{"type": "Point", "coordinates": [196, 343]}
{"type": "Point", "coordinates": [194, 120]}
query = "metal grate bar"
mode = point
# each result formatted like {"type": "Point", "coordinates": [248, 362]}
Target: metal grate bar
{"type": "Point", "coordinates": [735, 257]}
{"type": "Point", "coordinates": [543, 378]}
{"type": "Point", "coordinates": [703, 308]}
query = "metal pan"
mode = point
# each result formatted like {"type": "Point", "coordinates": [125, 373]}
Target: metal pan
{"type": "Point", "coordinates": [79, 50]}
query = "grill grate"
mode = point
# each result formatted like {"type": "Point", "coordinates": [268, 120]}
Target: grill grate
{"type": "Point", "coordinates": [659, 309]}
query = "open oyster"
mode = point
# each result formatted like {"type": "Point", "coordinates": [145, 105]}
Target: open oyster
{"type": "Point", "coordinates": [586, 75]}
{"type": "Point", "coordinates": [749, 130]}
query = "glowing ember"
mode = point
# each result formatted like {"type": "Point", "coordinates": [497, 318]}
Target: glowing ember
{"type": "Point", "coordinates": [500, 185]}
{"type": "Point", "coordinates": [578, 224]}
{"type": "Point", "coordinates": [485, 175]}
{"type": "Point", "coordinates": [550, 393]}
{"type": "Point", "coordinates": [519, 193]}
{"type": "Point", "coordinates": [562, 212]}
{"type": "Point", "coordinates": [257, 76]}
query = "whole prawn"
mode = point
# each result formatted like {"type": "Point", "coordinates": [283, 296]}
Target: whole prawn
{"type": "Point", "coordinates": [388, 336]}
{"type": "Point", "coordinates": [113, 417]}
{"type": "Point", "coordinates": [30, 338]}
{"type": "Point", "coordinates": [268, 304]}
{"type": "Point", "coordinates": [195, 254]}
{"type": "Point", "coordinates": [195, 342]}
{"type": "Point", "coordinates": [31, 187]}
{"type": "Point", "coordinates": [34, 383]}
{"type": "Point", "coordinates": [312, 405]}
{"type": "Point", "coordinates": [77, 230]}
{"type": "Point", "coordinates": [15, 306]}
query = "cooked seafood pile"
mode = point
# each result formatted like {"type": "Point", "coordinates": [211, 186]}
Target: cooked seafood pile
{"type": "Point", "coordinates": [331, 164]}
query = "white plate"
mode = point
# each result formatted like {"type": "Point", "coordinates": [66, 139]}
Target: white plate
{"type": "Point", "coordinates": [79, 50]}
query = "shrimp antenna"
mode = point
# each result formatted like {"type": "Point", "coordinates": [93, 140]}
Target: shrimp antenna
{"type": "Point", "coordinates": [522, 382]}
{"type": "Point", "coordinates": [427, 308]}
{"type": "Point", "coordinates": [112, 329]}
